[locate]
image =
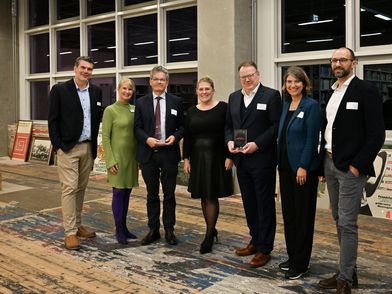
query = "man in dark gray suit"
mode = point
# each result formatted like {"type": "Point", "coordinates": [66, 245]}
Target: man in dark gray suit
{"type": "Point", "coordinates": [255, 109]}
{"type": "Point", "coordinates": [352, 134]}
{"type": "Point", "coordinates": [158, 129]}
{"type": "Point", "coordinates": [75, 111]}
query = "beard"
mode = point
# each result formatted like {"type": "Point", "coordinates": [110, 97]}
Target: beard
{"type": "Point", "coordinates": [343, 73]}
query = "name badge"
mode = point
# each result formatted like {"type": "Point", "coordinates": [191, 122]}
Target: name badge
{"type": "Point", "coordinates": [300, 115]}
{"type": "Point", "coordinates": [174, 112]}
{"type": "Point", "coordinates": [132, 110]}
{"type": "Point", "coordinates": [352, 105]}
{"type": "Point", "coordinates": [99, 103]}
{"type": "Point", "coordinates": [261, 106]}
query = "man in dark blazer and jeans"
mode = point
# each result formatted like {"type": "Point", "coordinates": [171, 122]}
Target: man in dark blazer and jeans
{"type": "Point", "coordinates": [158, 129]}
{"type": "Point", "coordinates": [257, 110]}
{"type": "Point", "coordinates": [352, 134]}
{"type": "Point", "coordinates": [75, 111]}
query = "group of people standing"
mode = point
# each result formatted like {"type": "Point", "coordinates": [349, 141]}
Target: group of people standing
{"type": "Point", "coordinates": [272, 132]}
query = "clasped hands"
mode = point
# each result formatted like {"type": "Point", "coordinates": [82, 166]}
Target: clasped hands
{"type": "Point", "coordinates": [154, 143]}
{"type": "Point", "coordinates": [249, 148]}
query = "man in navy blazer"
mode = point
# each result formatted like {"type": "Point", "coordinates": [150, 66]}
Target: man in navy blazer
{"type": "Point", "coordinates": [256, 109]}
{"type": "Point", "coordinates": [352, 134]}
{"type": "Point", "coordinates": [75, 111]}
{"type": "Point", "coordinates": [158, 129]}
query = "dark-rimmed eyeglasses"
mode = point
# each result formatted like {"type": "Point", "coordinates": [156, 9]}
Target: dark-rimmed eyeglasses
{"type": "Point", "coordinates": [341, 60]}
{"type": "Point", "coordinates": [248, 76]}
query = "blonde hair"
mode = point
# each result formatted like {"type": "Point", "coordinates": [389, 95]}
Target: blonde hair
{"type": "Point", "coordinates": [126, 82]}
{"type": "Point", "coordinates": [206, 79]}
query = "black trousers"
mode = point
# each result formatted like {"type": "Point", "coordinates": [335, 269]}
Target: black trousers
{"type": "Point", "coordinates": [158, 169]}
{"type": "Point", "coordinates": [299, 210]}
{"type": "Point", "coordinates": [258, 196]}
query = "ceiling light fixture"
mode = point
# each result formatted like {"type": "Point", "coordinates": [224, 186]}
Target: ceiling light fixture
{"type": "Point", "coordinates": [65, 52]}
{"type": "Point", "coordinates": [180, 54]}
{"type": "Point", "coordinates": [315, 22]}
{"type": "Point", "coordinates": [381, 16]}
{"type": "Point", "coordinates": [152, 56]}
{"type": "Point", "coordinates": [144, 43]}
{"type": "Point", "coordinates": [371, 34]}
{"type": "Point", "coordinates": [319, 40]}
{"type": "Point", "coordinates": [179, 39]}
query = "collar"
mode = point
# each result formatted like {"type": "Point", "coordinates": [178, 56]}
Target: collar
{"type": "Point", "coordinates": [345, 84]}
{"type": "Point", "coordinates": [253, 92]}
{"type": "Point", "coordinates": [77, 87]}
{"type": "Point", "coordinates": [163, 96]}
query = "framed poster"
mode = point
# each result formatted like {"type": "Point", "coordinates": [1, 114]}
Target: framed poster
{"type": "Point", "coordinates": [41, 150]}
{"type": "Point", "coordinates": [22, 140]}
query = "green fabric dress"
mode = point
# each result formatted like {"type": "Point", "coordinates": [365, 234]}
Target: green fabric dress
{"type": "Point", "coordinates": [119, 144]}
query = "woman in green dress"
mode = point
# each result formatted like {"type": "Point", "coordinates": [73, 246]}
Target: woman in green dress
{"type": "Point", "coordinates": [119, 145]}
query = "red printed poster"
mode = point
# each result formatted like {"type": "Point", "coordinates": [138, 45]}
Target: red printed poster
{"type": "Point", "coordinates": [22, 140]}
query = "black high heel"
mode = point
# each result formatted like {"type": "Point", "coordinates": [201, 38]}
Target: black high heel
{"type": "Point", "coordinates": [216, 235]}
{"type": "Point", "coordinates": [206, 245]}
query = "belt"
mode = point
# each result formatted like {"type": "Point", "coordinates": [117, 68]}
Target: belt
{"type": "Point", "coordinates": [328, 154]}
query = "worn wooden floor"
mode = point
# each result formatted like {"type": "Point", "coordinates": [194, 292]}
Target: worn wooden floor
{"type": "Point", "coordinates": [33, 258]}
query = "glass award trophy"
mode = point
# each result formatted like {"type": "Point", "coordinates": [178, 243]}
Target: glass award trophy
{"type": "Point", "coordinates": [240, 138]}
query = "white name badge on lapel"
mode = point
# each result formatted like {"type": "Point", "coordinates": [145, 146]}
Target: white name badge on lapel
{"type": "Point", "coordinates": [261, 106]}
{"type": "Point", "coordinates": [300, 115]}
{"type": "Point", "coordinates": [352, 105]}
{"type": "Point", "coordinates": [132, 110]}
{"type": "Point", "coordinates": [174, 112]}
{"type": "Point", "coordinates": [99, 103]}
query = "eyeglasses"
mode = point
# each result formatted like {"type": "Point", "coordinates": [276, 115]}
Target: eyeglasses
{"type": "Point", "coordinates": [158, 80]}
{"type": "Point", "coordinates": [248, 76]}
{"type": "Point", "coordinates": [341, 60]}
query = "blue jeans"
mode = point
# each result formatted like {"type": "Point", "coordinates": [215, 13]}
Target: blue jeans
{"type": "Point", "coordinates": [345, 192]}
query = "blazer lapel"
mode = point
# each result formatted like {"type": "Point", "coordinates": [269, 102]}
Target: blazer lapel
{"type": "Point", "coordinates": [237, 100]}
{"type": "Point", "coordinates": [346, 96]}
{"type": "Point", "coordinates": [297, 111]}
{"type": "Point", "coordinates": [72, 88]}
{"type": "Point", "coordinates": [284, 114]}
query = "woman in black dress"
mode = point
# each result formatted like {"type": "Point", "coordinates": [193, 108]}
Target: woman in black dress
{"type": "Point", "coordinates": [206, 157]}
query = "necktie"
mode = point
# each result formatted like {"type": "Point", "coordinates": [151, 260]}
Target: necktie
{"type": "Point", "coordinates": [158, 119]}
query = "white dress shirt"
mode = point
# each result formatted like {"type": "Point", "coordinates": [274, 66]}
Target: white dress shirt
{"type": "Point", "coordinates": [332, 109]}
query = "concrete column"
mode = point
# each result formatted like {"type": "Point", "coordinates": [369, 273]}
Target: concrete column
{"type": "Point", "coordinates": [8, 99]}
{"type": "Point", "coordinates": [224, 41]}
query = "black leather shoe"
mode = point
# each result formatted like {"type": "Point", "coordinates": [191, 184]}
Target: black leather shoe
{"type": "Point", "coordinates": [293, 274]}
{"type": "Point", "coordinates": [170, 237]}
{"type": "Point", "coordinates": [284, 266]}
{"type": "Point", "coordinates": [152, 236]}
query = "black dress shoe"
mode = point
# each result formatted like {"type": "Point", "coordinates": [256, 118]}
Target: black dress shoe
{"type": "Point", "coordinates": [152, 236]}
{"type": "Point", "coordinates": [170, 237]}
{"type": "Point", "coordinates": [284, 266]}
{"type": "Point", "coordinates": [293, 274]}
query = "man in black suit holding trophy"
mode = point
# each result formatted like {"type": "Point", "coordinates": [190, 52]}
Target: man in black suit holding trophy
{"type": "Point", "coordinates": [253, 114]}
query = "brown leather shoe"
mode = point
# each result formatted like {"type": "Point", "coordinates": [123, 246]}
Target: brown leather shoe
{"type": "Point", "coordinates": [72, 242]}
{"type": "Point", "coordinates": [331, 283]}
{"type": "Point", "coordinates": [343, 287]}
{"type": "Point", "coordinates": [250, 249]}
{"type": "Point", "coordinates": [260, 259]}
{"type": "Point", "coordinates": [84, 233]}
